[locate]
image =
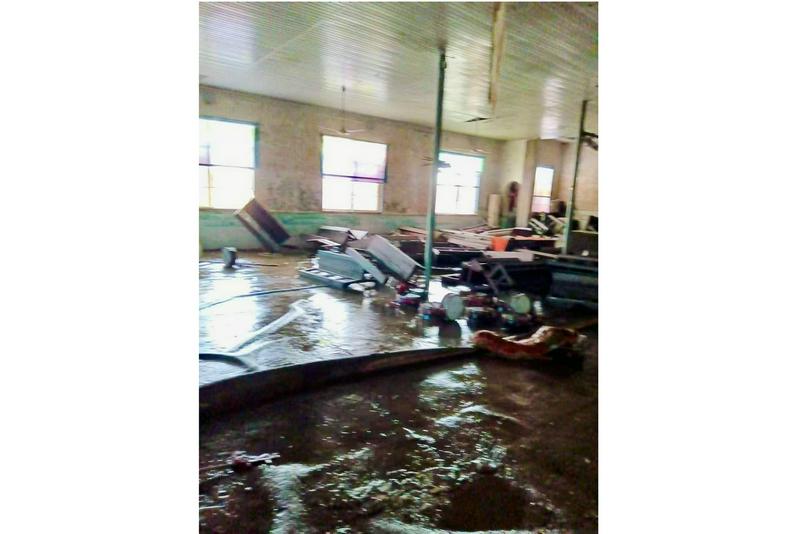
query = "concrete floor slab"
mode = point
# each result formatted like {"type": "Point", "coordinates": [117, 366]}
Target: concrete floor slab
{"type": "Point", "coordinates": [473, 444]}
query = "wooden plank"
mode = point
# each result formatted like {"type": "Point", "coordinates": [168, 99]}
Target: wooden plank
{"type": "Point", "coordinates": [324, 277]}
{"type": "Point", "coordinates": [367, 265]}
{"type": "Point", "coordinates": [322, 241]}
{"type": "Point", "coordinates": [358, 234]}
{"type": "Point", "coordinates": [522, 255]}
{"type": "Point", "coordinates": [544, 254]}
{"type": "Point", "coordinates": [468, 244]}
{"type": "Point", "coordinates": [394, 259]}
{"type": "Point", "coordinates": [412, 230]}
{"type": "Point", "coordinates": [493, 212]}
{"type": "Point", "coordinates": [467, 239]}
{"type": "Point", "coordinates": [341, 264]}
{"type": "Point", "coordinates": [339, 234]}
{"type": "Point", "coordinates": [262, 225]}
{"type": "Point", "coordinates": [361, 244]}
{"type": "Point", "coordinates": [252, 226]}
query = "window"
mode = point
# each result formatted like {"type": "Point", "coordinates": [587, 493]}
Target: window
{"type": "Point", "coordinates": [352, 174]}
{"type": "Point", "coordinates": [227, 163]}
{"type": "Point", "coordinates": [542, 189]}
{"type": "Point", "coordinates": [457, 184]}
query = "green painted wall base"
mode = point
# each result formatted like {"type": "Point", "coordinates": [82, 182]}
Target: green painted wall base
{"type": "Point", "coordinates": [219, 228]}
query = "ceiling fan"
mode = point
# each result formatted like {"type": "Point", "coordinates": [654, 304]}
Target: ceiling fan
{"type": "Point", "coordinates": [589, 138]}
{"type": "Point", "coordinates": [343, 130]}
{"type": "Point", "coordinates": [477, 150]}
{"type": "Point", "coordinates": [429, 160]}
{"type": "Point", "coordinates": [476, 121]}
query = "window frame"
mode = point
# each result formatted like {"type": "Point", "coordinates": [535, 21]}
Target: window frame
{"type": "Point", "coordinates": [552, 184]}
{"type": "Point", "coordinates": [480, 183]}
{"type": "Point", "coordinates": [256, 155]}
{"type": "Point", "coordinates": [322, 176]}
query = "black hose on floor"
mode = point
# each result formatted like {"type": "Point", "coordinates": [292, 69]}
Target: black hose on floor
{"type": "Point", "coordinates": [243, 263]}
{"type": "Point", "coordinates": [231, 359]}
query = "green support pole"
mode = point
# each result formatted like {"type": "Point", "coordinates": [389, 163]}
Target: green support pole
{"type": "Point", "coordinates": [571, 205]}
{"type": "Point", "coordinates": [437, 138]}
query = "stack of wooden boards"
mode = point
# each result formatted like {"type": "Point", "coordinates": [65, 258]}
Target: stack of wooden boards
{"type": "Point", "coordinates": [477, 238]}
{"type": "Point", "coordinates": [499, 239]}
{"type": "Point", "coordinates": [468, 239]}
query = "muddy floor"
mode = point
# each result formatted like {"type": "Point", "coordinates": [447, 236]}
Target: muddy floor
{"type": "Point", "coordinates": [473, 444]}
{"type": "Point", "coordinates": [330, 323]}
{"type": "Point", "coordinates": [326, 323]}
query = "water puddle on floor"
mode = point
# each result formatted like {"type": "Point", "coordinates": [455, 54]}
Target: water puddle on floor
{"type": "Point", "coordinates": [438, 447]}
{"type": "Point", "coordinates": [467, 445]}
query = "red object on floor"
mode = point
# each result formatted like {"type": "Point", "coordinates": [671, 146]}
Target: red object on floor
{"type": "Point", "coordinates": [536, 347]}
{"type": "Point", "coordinates": [500, 243]}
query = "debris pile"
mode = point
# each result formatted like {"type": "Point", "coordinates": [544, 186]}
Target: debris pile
{"type": "Point", "coordinates": [352, 259]}
{"type": "Point", "coordinates": [485, 260]}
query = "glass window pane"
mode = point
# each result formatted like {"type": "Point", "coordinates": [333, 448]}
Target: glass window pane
{"type": "Point", "coordinates": [366, 196]}
{"type": "Point", "coordinates": [446, 196]}
{"type": "Point", "coordinates": [203, 177]}
{"type": "Point", "coordinates": [203, 185]}
{"type": "Point", "coordinates": [463, 170]}
{"type": "Point", "coordinates": [541, 205]}
{"type": "Point", "coordinates": [447, 177]}
{"type": "Point", "coordinates": [336, 193]}
{"type": "Point", "coordinates": [348, 157]}
{"type": "Point", "coordinates": [467, 200]}
{"type": "Point", "coordinates": [543, 181]}
{"type": "Point", "coordinates": [231, 187]}
{"type": "Point", "coordinates": [229, 143]}
{"type": "Point", "coordinates": [205, 129]}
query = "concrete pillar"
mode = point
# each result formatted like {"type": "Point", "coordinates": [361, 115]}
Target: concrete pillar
{"type": "Point", "coordinates": [525, 197]}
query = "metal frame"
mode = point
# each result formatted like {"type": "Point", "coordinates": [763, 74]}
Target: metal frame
{"type": "Point", "coordinates": [437, 145]}
{"type": "Point", "coordinates": [583, 135]}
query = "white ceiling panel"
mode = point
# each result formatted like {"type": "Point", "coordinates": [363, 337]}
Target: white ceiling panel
{"type": "Point", "coordinates": [386, 54]}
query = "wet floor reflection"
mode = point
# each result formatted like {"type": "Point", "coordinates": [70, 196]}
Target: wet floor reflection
{"type": "Point", "coordinates": [335, 324]}
{"type": "Point", "coordinates": [469, 444]}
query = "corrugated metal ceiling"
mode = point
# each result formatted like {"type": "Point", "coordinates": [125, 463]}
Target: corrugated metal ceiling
{"type": "Point", "coordinates": [386, 55]}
